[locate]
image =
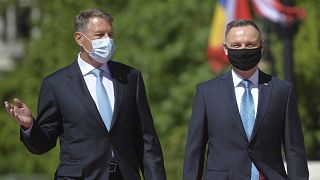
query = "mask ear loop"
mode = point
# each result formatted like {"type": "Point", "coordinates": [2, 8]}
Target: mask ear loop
{"type": "Point", "coordinates": [85, 36]}
{"type": "Point", "coordinates": [83, 45]}
{"type": "Point", "coordinates": [86, 49]}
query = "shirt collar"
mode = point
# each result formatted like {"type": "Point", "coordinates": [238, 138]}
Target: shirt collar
{"type": "Point", "coordinates": [86, 68]}
{"type": "Point", "coordinates": [253, 79]}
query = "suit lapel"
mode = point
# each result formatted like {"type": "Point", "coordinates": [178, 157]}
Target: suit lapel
{"type": "Point", "coordinates": [79, 87]}
{"type": "Point", "coordinates": [231, 102]}
{"type": "Point", "coordinates": [265, 91]}
{"type": "Point", "coordinates": [119, 87]}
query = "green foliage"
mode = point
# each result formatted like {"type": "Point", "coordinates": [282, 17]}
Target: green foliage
{"type": "Point", "coordinates": [52, 50]}
{"type": "Point", "coordinates": [307, 74]}
{"type": "Point", "coordinates": [167, 41]}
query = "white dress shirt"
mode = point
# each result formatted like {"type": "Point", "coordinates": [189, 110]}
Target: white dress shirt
{"type": "Point", "coordinates": [90, 80]}
{"type": "Point", "coordinates": [239, 90]}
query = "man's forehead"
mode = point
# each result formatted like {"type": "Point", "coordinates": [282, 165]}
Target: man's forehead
{"type": "Point", "coordinates": [98, 20]}
{"type": "Point", "coordinates": [242, 31]}
{"type": "Point", "coordinates": [96, 23]}
{"type": "Point", "coordinates": [239, 32]}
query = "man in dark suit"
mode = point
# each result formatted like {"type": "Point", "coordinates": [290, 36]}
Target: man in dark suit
{"type": "Point", "coordinates": [99, 110]}
{"type": "Point", "coordinates": [244, 118]}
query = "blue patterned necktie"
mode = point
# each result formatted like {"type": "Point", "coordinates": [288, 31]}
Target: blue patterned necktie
{"type": "Point", "coordinates": [104, 105]}
{"type": "Point", "coordinates": [248, 117]}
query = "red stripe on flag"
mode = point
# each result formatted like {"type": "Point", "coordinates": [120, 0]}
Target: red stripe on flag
{"type": "Point", "coordinates": [243, 10]}
{"type": "Point", "coordinates": [240, 10]}
{"type": "Point", "coordinates": [216, 58]}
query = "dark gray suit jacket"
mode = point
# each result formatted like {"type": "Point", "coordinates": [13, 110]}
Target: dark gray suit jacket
{"type": "Point", "coordinates": [66, 110]}
{"type": "Point", "coordinates": [216, 124]}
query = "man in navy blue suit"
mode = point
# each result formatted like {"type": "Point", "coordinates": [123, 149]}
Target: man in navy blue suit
{"type": "Point", "coordinates": [99, 111]}
{"type": "Point", "coordinates": [244, 118]}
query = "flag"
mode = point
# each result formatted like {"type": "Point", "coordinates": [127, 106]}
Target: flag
{"type": "Point", "coordinates": [277, 12]}
{"type": "Point", "coordinates": [225, 11]}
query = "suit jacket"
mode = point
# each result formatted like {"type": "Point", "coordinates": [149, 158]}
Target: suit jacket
{"type": "Point", "coordinates": [66, 110]}
{"type": "Point", "coordinates": [216, 123]}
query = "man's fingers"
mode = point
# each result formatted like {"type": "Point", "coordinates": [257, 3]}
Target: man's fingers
{"type": "Point", "coordinates": [22, 118]}
{"type": "Point", "coordinates": [7, 106]}
{"type": "Point", "coordinates": [19, 111]}
{"type": "Point", "coordinates": [18, 115]}
{"type": "Point", "coordinates": [18, 102]}
{"type": "Point", "coordinates": [16, 112]}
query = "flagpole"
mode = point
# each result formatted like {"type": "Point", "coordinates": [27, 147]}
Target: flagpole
{"type": "Point", "coordinates": [267, 54]}
{"type": "Point", "coordinates": [287, 33]}
{"type": "Point", "coordinates": [288, 53]}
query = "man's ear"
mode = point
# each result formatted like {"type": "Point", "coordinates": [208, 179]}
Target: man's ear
{"type": "Point", "coordinates": [262, 46]}
{"type": "Point", "coordinates": [78, 38]}
{"type": "Point", "coordinates": [225, 48]}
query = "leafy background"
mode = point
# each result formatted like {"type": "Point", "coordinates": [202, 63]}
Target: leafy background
{"type": "Point", "coordinates": [167, 41]}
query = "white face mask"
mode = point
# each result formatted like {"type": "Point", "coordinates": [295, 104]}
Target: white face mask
{"type": "Point", "coordinates": [102, 49]}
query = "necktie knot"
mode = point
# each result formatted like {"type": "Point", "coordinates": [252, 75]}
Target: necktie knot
{"type": "Point", "coordinates": [245, 83]}
{"type": "Point", "coordinates": [96, 72]}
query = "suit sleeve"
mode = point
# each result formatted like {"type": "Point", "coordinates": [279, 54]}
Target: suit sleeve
{"type": "Point", "coordinates": [149, 149]}
{"type": "Point", "coordinates": [196, 140]}
{"type": "Point", "coordinates": [47, 126]}
{"type": "Point", "coordinates": [294, 142]}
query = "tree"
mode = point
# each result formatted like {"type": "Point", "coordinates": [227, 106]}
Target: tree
{"type": "Point", "coordinates": [307, 74]}
{"type": "Point", "coordinates": [167, 41]}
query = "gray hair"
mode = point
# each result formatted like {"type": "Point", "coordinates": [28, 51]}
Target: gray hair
{"type": "Point", "coordinates": [82, 19]}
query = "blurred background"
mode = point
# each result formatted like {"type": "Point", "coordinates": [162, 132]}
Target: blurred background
{"type": "Point", "coordinates": [175, 43]}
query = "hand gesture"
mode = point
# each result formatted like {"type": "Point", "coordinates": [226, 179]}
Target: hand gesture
{"type": "Point", "coordinates": [20, 112]}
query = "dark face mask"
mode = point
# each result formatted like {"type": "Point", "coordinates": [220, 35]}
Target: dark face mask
{"type": "Point", "coordinates": [244, 59]}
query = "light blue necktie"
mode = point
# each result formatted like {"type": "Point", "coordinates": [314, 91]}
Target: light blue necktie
{"type": "Point", "coordinates": [104, 105]}
{"type": "Point", "coordinates": [248, 117]}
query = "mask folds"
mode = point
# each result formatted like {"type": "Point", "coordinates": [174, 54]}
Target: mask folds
{"type": "Point", "coordinates": [244, 59]}
{"type": "Point", "coordinates": [102, 49]}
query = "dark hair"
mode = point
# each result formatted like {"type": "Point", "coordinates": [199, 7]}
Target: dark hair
{"type": "Point", "coordinates": [82, 19]}
{"type": "Point", "coordinates": [240, 23]}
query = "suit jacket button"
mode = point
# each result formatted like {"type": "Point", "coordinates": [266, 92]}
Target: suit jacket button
{"type": "Point", "coordinates": [249, 150]}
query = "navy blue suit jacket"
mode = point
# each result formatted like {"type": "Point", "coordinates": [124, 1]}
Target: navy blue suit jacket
{"type": "Point", "coordinates": [216, 125]}
{"type": "Point", "coordinates": [66, 110]}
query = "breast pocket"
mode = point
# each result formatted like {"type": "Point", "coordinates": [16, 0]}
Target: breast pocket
{"type": "Point", "coordinates": [216, 175]}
